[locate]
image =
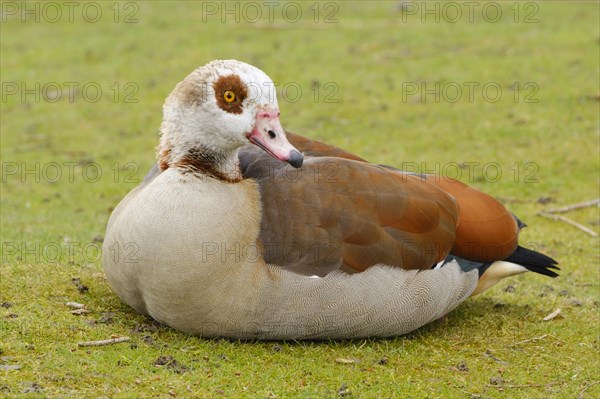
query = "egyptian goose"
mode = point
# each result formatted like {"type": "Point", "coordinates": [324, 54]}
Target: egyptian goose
{"type": "Point", "coordinates": [288, 238]}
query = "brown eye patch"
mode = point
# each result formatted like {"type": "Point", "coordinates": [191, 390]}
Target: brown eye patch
{"type": "Point", "coordinates": [230, 83]}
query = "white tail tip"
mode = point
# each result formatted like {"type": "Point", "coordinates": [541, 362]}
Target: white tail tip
{"type": "Point", "coordinates": [496, 272]}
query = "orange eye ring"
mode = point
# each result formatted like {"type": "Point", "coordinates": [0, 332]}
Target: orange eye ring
{"type": "Point", "coordinates": [229, 96]}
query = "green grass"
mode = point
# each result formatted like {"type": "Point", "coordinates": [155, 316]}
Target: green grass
{"type": "Point", "coordinates": [493, 346]}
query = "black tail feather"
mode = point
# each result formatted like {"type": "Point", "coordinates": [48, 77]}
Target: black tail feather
{"type": "Point", "coordinates": [534, 261]}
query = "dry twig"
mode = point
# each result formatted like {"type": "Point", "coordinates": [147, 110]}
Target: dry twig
{"type": "Point", "coordinates": [580, 396]}
{"type": "Point", "coordinates": [500, 387]}
{"type": "Point", "coordinates": [552, 214]}
{"type": "Point", "coordinates": [575, 206]}
{"type": "Point", "coordinates": [104, 342]}
{"type": "Point", "coordinates": [569, 221]}
{"type": "Point", "coordinates": [530, 340]}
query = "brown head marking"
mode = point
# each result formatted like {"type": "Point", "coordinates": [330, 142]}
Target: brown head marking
{"type": "Point", "coordinates": [191, 93]}
{"type": "Point", "coordinates": [234, 84]}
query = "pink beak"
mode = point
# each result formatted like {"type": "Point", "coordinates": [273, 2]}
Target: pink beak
{"type": "Point", "coordinates": [269, 135]}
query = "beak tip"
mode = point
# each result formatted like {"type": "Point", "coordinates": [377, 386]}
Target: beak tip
{"type": "Point", "coordinates": [296, 159]}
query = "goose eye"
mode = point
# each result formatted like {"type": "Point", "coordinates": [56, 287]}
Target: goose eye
{"type": "Point", "coordinates": [229, 96]}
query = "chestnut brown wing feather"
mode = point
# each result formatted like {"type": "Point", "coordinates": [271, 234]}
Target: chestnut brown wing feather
{"type": "Point", "coordinates": [486, 231]}
{"type": "Point", "coordinates": [337, 213]}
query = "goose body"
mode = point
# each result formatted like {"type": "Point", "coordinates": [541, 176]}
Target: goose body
{"type": "Point", "coordinates": [231, 239]}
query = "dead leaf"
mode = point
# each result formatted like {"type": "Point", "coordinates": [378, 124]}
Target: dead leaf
{"type": "Point", "coordinates": [9, 367]}
{"type": "Point", "coordinates": [170, 363]}
{"type": "Point", "coordinates": [345, 360]}
{"type": "Point", "coordinates": [32, 387]}
{"type": "Point", "coordinates": [552, 315]}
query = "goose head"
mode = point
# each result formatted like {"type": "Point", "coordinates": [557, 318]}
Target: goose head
{"type": "Point", "coordinates": [214, 111]}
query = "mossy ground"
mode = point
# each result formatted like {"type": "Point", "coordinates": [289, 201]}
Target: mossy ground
{"type": "Point", "coordinates": [541, 135]}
